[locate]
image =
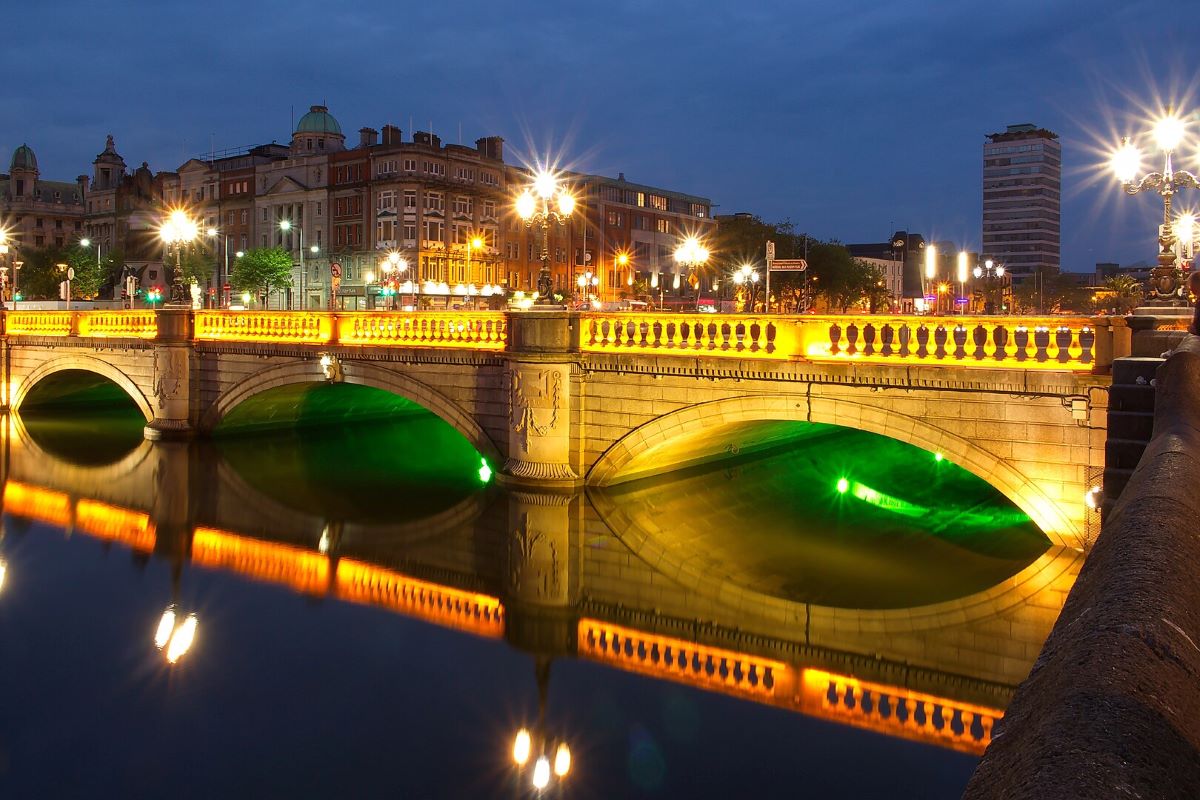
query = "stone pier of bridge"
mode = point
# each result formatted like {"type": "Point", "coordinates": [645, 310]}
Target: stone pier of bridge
{"type": "Point", "coordinates": [555, 400]}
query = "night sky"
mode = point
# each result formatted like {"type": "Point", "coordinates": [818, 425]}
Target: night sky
{"type": "Point", "coordinates": [851, 119]}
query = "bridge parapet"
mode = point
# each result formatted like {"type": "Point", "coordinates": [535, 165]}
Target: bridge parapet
{"type": "Point", "coordinates": [1066, 344]}
{"type": "Point", "coordinates": [1045, 343]}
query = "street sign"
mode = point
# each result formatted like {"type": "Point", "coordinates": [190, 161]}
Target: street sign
{"type": "Point", "coordinates": [770, 253]}
{"type": "Point", "coordinates": [70, 273]}
{"type": "Point", "coordinates": [788, 265]}
{"type": "Point", "coordinates": [335, 269]}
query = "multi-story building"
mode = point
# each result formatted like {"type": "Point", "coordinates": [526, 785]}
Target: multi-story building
{"type": "Point", "coordinates": [902, 259]}
{"type": "Point", "coordinates": [39, 213]}
{"type": "Point", "coordinates": [1022, 184]}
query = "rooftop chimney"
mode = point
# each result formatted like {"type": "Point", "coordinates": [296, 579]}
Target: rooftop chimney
{"type": "Point", "coordinates": [426, 138]}
{"type": "Point", "coordinates": [491, 147]}
{"type": "Point", "coordinates": [368, 137]}
{"type": "Point", "coordinates": [392, 135]}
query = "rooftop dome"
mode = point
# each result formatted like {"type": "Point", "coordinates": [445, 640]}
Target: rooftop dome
{"type": "Point", "coordinates": [23, 158]}
{"type": "Point", "coordinates": [318, 120]}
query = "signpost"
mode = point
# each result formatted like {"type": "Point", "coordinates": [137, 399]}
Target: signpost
{"type": "Point", "coordinates": [770, 262]}
{"type": "Point", "coordinates": [789, 265]}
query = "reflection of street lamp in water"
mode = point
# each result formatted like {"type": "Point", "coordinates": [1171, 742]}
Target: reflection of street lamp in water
{"type": "Point", "coordinates": [536, 745]}
{"type": "Point", "coordinates": [174, 636]}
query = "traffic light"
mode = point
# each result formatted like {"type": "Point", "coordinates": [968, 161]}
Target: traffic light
{"type": "Point", "coordinates": [63, 290]}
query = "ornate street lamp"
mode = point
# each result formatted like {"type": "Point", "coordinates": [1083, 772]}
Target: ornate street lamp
{"type": "Point", "coordinates": [1166, 285]}
{"type": "Point", "coordinates": [992, 275]}
{"type": "Point", "coordinates": [542, 203]}
{"type": "Point", "coordinates": [691, 255]}
{"type": "Point", "coordinates": [178, 231]}
{"type": "Point", "coordinates": [747, 276]}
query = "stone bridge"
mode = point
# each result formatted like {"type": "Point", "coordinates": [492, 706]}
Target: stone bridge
{"type": "Point", "coordinates": [560, 576]}
{"type": "Point", "coordinates": [562, 399]}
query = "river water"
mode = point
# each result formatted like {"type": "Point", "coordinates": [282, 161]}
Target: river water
{"type": "Point", "coordinates": [358, 609]}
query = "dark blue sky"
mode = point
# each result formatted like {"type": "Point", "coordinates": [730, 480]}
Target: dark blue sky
{"type": "Point", "coordinates": [852, 119]}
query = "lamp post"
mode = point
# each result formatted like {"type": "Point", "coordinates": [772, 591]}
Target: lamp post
{"type": "Point", "coordinates": [394, 262]}
{"type": "Point", "coordinates": [213, 233]}
{"type": "Point", "coordinates": [746, 276]}
{"type": "Point", "coordinates": [16, 294]}
{"type": "Point", "coordinates": [993, 277]}
{"type": "Point", "coordinates": [177, 231]}
{"type": "Point", "coordinates": [692, 255]}
{"type": "Point", "coordinates": [4, 269]}
{"type": "Point", "coordinates": [473, 243]}
{"type": "Point", "coordinates": [1166, 287]}
{"type": "Point", "coordinates": [931, 255]}
{"type": "Point", "coordinates": [534, 208]}
{"type": "Point", "coordinates": [285, 225]}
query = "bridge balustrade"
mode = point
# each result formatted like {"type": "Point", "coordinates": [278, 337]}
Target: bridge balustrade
{"type": "Point", "coordinates": [1025, 342]}
{"type": "Point", "coordinates": [480, 330]}
{"type": "Point", "coordinates": [1076, 344]}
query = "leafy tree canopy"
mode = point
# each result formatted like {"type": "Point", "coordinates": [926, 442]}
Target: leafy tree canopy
{"type": "Point", "coordinates": [262, 270]}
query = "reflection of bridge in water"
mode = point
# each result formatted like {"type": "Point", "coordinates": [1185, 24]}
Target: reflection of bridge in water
{"type": "Point", "coordinates": [561, 575]}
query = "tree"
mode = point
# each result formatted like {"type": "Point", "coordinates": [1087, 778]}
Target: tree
{"type": "Point", "coordinates": [1121, 294]}
{"type": "Point", "coordinates": [262, 270]}
{"type": "Point", "coordinates": [198, 265]}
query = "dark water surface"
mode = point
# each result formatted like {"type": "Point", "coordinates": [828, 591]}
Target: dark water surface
{"type": "Point", "coordinates": [296, 686]}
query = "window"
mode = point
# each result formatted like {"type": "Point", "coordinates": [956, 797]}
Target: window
{"type": "Point", "coordinates": [410, 165]}
{"type": "Point", "coordinates": [658, 202]}
{"type": "Point", "coordinates": [434, 229]}
{"type": "Point", "coordinates": [489, 209]}
{"type": "Point", "coordinates": [318, 208]}
{"type": "Point", "coordinates": [38, 222]}
{"type": "Point", "coordinates": [386, 200]}
{"type": "Point", "coordinates": [385, 167]}
{"type": "Point", "coordinates": [662, 225]}
{"type": "Point", "coordinates": [264, 219]}
{"type": "Point", "coordinates": [308, 143]}
{"type": "Point", "coordinates": [435, 201]}
{"type": "Point", "coordinates": [641, 199]}
{"type": "Point", "coordinates": [490, 178]}
{"type": "Point", "coordinates": [614, 218]}
{"type": "Point", "coordinates": [243, 216]}
{"type": "Point", "coordinates": [462, 205]}
{"type": "Point", "coordinates": [464, 174]}
{"type": "Point", "coordinates": [435, 168]}
{"type": "Point", "coordinates": [410, 230]}
{"type": "Point", "coordinates": [410, 199]}
{"type": "Point", "coordinates": [385, 230]}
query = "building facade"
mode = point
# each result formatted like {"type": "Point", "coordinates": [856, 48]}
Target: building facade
{"type": "Point", "coordinates": [1022, 186]}
{"type": "Point", "coordinates": [36, 212]}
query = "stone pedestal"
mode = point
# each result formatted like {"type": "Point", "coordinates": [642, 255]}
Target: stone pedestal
{"type": "Point", "coordinates": [172, 395]}
{"type": "Point", "coordinates": [1158, 328]}
{"type": "Point", "coordinates": [542, 573]}
{"type": "Point", "coordinates": [538, 380]}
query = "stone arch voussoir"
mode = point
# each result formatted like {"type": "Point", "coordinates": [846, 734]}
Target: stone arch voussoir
{"type": "Point", "coordinates": [84, 363]}
{"type": "Point", "coordinates": [998, 472]}
{"type": "Point", "coordinates": [362, 374]}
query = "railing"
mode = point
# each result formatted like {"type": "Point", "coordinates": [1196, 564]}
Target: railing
{"type": "Point", "coordinates": [140, 324]}
{"type": "Point", "coordinates": [1051, 343]}
{"type": "Point", "coordinates": [479, 330]}
{"type": "Point", "coordinates": [303, 570]}
{"type": "Point", "coordinates": [1057, 343]}
{"type": "Point", "coordinates": [686, 662]}
{"type": "Point", "coordinates": [737, 335]}
{"type": "Point", "coordinates": [294, 327]}
{"type": "Point", "coordinates": [892, 710]}
{"type": "Point", "coordinates": [1065, 344]}
{"type": "Point", "coordinates": [897, 711]}
{"type": "Point", "coordinates": [39, 323]}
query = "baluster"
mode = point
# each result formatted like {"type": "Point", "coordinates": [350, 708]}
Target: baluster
{"type": "Point", "coordinates": [835, 336]}
{"type": "Point", "coordinates": [869, 339]}
{"type": "Point", "coordinates": [922, 341]}
{"type": "Point", "coordinates": [852, 339]}
{"type": "Point", "coordinates": [1087, 344]}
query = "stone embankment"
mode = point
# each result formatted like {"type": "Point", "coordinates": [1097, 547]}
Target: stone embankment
{"type": "Point", "coordinates": [1112, 706]}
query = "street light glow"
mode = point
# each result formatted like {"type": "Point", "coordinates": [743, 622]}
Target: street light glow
{"type": "Point", "coordinates": [85, 242]}
{"type": "Point", "coordinates": [544, 184]}
{"type": "Point", "coordinates": [1184, 227]}
{"type": "Point", "coordinates": [166, 625]}
{"type": "Point", "coordinates": [562, 760]}
{"type": "Point", "coordinates": [526, 204]}
{"type": "Point", "coordinates": [1168, 132]}
{"type": "Point", "coordinates": [566, 203]}
{"type": "Point", "coordinates": [178, 228]}
{"type": "Point", "coordinates": [285, 224]}
{"type": "Point", "coordinates": [962, 266]}
{"type": "Point", "coordinates": [843, 485]}
{"type": "Point", "coordinates": [181, 640]}
{"type": "Point", "coordinates": [521, 747]}
{"type": "Point", "coordinates": [931, 262]}
{"type": "Point", "coordinates": [541, 773]}
{"type": "Point", "coordinates": [476, 243]}
{"type": "Point", "coordinates": [1127, 161]}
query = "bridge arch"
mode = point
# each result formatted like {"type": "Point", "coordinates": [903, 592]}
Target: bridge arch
{"type": "Point", "coordinates": [362, 374]}
{"type": "Point", "coordinates": [996, 471]}
{"type": "Point", "coordinates": [82, 363]}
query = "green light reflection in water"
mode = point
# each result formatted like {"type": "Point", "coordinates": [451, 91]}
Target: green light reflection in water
{"type": "Point", "coordinates": [350, 452]}
{"type": "Point", "coordinates": [838, 517]}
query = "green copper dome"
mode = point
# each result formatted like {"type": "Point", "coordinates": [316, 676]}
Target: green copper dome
{"type": "Point", "coordinates": [23, 158]}
{"type": "Point", "coordinates": [318, 120]}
